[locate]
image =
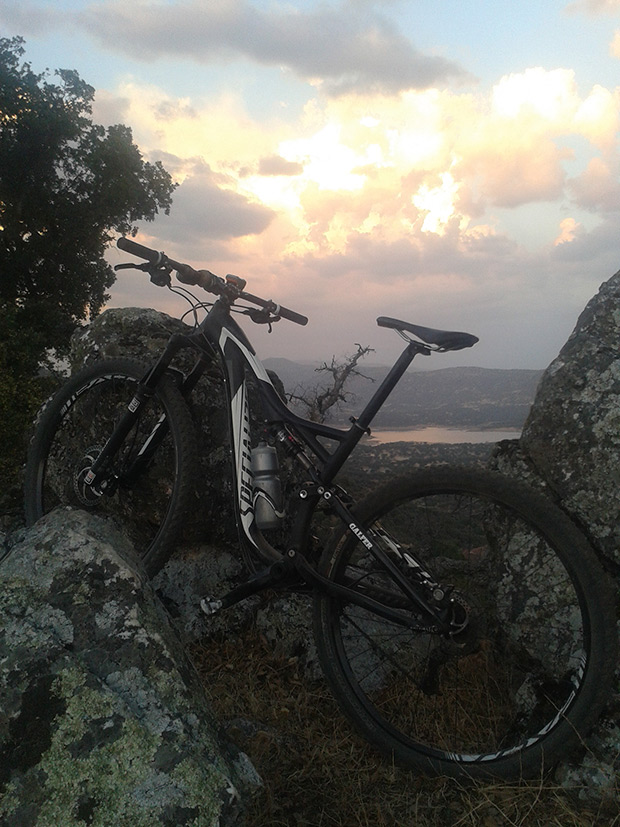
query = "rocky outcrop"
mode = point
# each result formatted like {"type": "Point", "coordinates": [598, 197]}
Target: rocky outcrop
{"type": "Point", "coordinates": [102, 718]}
{"type": "Point", "coordinates": [570, 449]}
{"type": "Point", "coordinates": [571, 439]}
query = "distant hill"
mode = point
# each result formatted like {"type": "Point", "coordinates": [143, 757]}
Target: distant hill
{"type": "Point", "coordinates": [450, 397]}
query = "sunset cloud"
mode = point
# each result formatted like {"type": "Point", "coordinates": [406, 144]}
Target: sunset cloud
{"type": "Point", "coordinates": [381, 169]}
{"type": "Point", "coordinates": [341, 155]}
{"type": "Point", "coordinates": [597, 188]}
{"type": "Point", "coordinates": [568, 230]}
{"type": "Point", "coordinates": [595, 6]}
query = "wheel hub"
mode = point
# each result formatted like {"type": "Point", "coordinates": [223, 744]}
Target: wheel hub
{"type": "Point", "coordinates": [87, 495]}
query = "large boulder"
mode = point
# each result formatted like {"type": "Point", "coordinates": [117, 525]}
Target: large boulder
{"type": "Point", "coordinates": [102, 717]}
{"type": "Point", "coordinates": [570, 449]}
{"type": "Point", "coordinates": [571, 439]}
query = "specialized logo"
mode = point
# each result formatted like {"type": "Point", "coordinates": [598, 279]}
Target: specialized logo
{"type": "Point", "coordinates": [241, 436]}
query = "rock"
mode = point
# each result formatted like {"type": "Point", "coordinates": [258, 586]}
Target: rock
{"type": "Point", "coordinates": [102, 719]}
{"type": "Point", "coordinates": [571, 438]}
{"type": "Point", "coordinates": [596, 776]}
{"type": "Point", "coordinates": [570, 450]}
{"type": "Point", "coordinates": [132, 332]}
{"type": "Point", "coordinates": [286, 623]}
{"type": "Point", "coordinates": [194, 572]}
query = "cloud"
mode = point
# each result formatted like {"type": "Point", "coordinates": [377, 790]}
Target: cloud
{"type": "Point", "coordinates": [217, 128]}
{"type": "Point", "coordinates": [594, 7]}
{"type": "Point", "coordinates": [597, 188]}
{"type": "Point", "coordinates": [33, 18]}
{"type": "Point", "coordinates": [569, 228]}
{"type": "Point", "coordinates": [205, 209]}
{"type": "Point", "coordinates": [276, 165]}
{"type": "Point", "coordinates": [597, 247]}
{"type": "Point", "coordinates": [401, 204]}
{"type": "Point", "coordinates": [360, 51]}
{"type": "Point", "coordinates": [110, 108]}
{"type": "Point", "coordinates": [387, 168]}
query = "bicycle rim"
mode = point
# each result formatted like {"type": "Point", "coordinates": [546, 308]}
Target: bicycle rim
{"type": "Point", "coordinates": [147, 505]}
{"type": "Point", "coordinates": [519, 685]}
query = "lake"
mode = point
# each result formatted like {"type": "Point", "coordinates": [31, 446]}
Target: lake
{"type": "Point", "coordinates": [444, 435]}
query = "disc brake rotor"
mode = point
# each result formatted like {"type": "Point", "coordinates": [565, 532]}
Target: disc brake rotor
{"type": "Point", "coordinates": [86, 494]}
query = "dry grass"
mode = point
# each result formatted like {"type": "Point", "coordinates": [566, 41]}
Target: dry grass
{"type": "Point", "coordinates": [316, 772]}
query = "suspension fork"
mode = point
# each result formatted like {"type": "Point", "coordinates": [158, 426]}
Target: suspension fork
{"type": "Point", "coordinates": [96, 476]}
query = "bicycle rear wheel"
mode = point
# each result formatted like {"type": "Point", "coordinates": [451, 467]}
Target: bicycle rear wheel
{"type": "Point", "coordinates": [148, 499]}
{"type": "Point", "coordinates": [527, 678]}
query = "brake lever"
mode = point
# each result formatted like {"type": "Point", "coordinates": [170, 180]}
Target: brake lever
{"type": "Point", "coordinates": [160, 276]}
{"type": "Point", "coordinates": [263, 316]}
{"type": "Point", "coordinates": [144, 267]}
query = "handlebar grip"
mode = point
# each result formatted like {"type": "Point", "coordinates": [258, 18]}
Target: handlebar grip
{"type": "Point", "coordinates": [285, 313]}
{"type": "Point", "coordinates": [139, 250]}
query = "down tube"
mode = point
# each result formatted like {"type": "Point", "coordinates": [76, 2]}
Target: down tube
{"type": "Point", "coordinates": [240, 421]}
{"type": "Point", "coordinates": [235, 354]}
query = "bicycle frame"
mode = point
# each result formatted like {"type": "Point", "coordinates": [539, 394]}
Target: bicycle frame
{"type": "Point", "coordinates": [219, 337]}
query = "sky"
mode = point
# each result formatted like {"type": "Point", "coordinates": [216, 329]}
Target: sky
{"type": "Point", "coordinates": [452, 163]}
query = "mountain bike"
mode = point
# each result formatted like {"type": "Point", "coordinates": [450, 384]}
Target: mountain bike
{"type": "Point", "coordinates": [463, 622]}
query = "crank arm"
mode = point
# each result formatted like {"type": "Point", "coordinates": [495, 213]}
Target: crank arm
{"type": "Point", "coordinates": [279, 573]}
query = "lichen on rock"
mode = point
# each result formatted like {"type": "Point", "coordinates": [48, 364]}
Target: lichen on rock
{"type": "Point", "coordinates": [103, 720]}
{"type": "Point", "coordinates": [570, 450]}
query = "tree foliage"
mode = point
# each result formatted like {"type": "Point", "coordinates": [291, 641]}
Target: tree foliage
{"type": "Point", "coordinates": [66, 185]}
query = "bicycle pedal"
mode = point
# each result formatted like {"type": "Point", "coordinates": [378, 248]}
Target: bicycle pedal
{"type": "Point", "coordinates": [210, 605]}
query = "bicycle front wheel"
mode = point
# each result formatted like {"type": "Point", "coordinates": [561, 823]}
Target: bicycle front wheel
{"type": "Point", "coordinates": [151, 476]}
{"type": "Point", "coordinates": [527, 677]}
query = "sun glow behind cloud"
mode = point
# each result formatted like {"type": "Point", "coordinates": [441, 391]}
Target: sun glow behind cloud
{"type": "Point", "coordinates": [378, 165]}
{"type": "Point", "coordinates": [398, 198]}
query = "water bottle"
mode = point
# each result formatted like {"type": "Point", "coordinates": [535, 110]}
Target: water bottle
{"type": "Point", "coordinates": [267, 489]}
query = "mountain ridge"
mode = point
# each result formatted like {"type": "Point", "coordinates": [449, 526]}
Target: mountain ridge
{"type": "Point", "coordinates": [470, 397]}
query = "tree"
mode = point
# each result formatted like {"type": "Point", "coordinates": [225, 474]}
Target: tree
{"type": "Point", "coordinates": [66, 185]}
{"type": "Point", "coordinates": [318, 400]}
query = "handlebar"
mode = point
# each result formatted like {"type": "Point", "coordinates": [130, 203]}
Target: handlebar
{"type": "Point", "coordinates": [139, 250]}
{"type": "Point", "coordinates": [208, 281]}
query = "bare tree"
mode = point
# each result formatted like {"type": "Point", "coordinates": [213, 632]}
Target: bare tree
{"type": "Point", "coordinates": [318, 400]}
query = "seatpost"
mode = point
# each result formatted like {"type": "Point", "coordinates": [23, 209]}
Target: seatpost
{"type": "Point", "coordinates": [360, 426]}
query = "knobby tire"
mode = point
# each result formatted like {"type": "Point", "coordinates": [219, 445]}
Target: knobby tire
{"type": "Point", "coordinates": [74, 425]}
{"type": "Point", "coordinates": [527, 679]}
